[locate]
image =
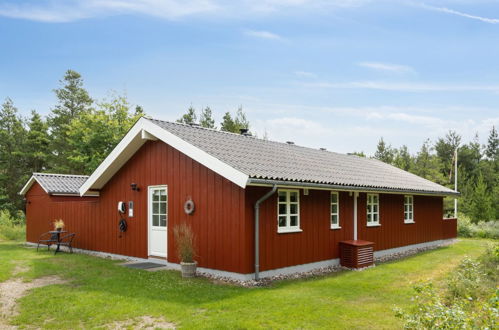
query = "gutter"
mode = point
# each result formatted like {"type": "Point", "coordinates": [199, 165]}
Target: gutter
{"type": "Point", "coordinates": [257, 230]}
{"type": "Point", "coordinates": [266, 182]}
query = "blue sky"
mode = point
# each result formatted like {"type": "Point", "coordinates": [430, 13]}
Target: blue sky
{"type": "Point", "coordinates": [334, 74]}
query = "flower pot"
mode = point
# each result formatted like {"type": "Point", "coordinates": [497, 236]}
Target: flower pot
{"type": "Point", "coordinates": [188, 268]}
{"type": "Point", "coordinates": [59, 229]}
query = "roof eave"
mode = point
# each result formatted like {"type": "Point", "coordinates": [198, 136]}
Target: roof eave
{"type": "Point", "coordinates": [142, 131]}
{"type": "Point", "coordinates": [299, 184]}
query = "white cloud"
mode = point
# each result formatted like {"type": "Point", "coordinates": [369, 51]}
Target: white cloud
{"type": "Point", "coordinates": [397, 68]}
{"type": "Point", "coordinates": [458, 13]}
{"type": "Point", "coordinates": [262, 34]}
{"type": "Point", "coordinates": [56, 11]}
{"type": "Point", "coordinates": [71, 10]}
{"type": "Point", "coordinates": [358, 128]}
{"type": "Point", "coordinates": [403, 86]}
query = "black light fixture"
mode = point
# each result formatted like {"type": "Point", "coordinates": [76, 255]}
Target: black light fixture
{"type": "Point", "coordinates": [134, 187]}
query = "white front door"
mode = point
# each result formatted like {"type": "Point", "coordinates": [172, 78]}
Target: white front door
{"type": "Point", "coordinates": [158, 220]}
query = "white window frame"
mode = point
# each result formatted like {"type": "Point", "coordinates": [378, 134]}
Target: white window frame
{"type": "Point", "coordinates": [408, 209]}
{"type": "Point", "coordinates": [288, 228]}
{"type": "Point", "coordinates": [337, 213]}
{"type": "Point", "coordinates": [372, 214]}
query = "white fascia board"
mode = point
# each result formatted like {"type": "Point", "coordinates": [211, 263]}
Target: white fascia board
{"type": "Point", "coordinates": [113, 162]}
{"type": "Point", "coordinates": [28, 185]}
{"type": "Point", "coordinates": [213, 163]}
{"type": "Point", "coordinates": [136, 137]}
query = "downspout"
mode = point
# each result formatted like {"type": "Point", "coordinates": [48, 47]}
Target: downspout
{"type": "Point", "coordinates": [355, 196]}
{"type": "Point", "coordinates": [257, 230]}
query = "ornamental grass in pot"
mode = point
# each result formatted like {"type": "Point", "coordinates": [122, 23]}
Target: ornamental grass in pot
{"type": "Point", "coordinates": [184, 242]}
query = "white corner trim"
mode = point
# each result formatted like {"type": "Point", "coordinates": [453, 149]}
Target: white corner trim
{"type": "Point", "coordinates": [145, 130]}
{"type": "Point", "coordinates": [28, 185]}
{"type": "Point", "coordinates": [147, 136]}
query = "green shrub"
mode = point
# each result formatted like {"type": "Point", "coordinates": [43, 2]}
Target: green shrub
{"type": "Point", "coordinates": [470, 300]}
{"type": "Point", "coordinates": [12, 227]}
{"type": "Point", "coordinates": [13, 233]}
{"type": "Point", "coordinates": [466, 228]}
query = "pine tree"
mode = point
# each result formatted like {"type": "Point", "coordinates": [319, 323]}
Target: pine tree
{"type": "Point", "coordinates": [73, 100]}
{"type": "Point", "coordinates": [37, 143]}
{"type": "Point", "coordinates": [427, 165]}
{"type": "Point", "coordinates": [481, 203]}
{"type": "Point", "coordinates": [241, 121]}
{"type": "Point", "coordinates": [492, 148]}
{"type": "Point", "coordinates": [403, 158]}
{"type": "Point", "coordinates": [384, 152]}
{"type": "Point", "coordinates": [188, 118]}
{"type": "Point", "coordinates": [445, 148]}
{"type": "Point", "coordinates": [206, 119]}
{"type": "Point", "coordinates": [12, 163]}
{"type": "Point", "coordinates": [235, 124]}
{"type": "Point", "coordinates": [228, 124]}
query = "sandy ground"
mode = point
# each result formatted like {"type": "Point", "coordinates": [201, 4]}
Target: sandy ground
{"type": "Point", "coordinates": [143, 322]}
{"type": "Point", "coordinates": [13, 289]}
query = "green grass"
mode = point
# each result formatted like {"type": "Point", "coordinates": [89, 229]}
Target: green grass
{"type": "Point", "coordinates": [99, 292]}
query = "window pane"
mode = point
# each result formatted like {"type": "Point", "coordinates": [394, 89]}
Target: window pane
{"type": "Point", "coordinates": [293, 209]}
{"type": "Point", "coordinates": [369, 217]}
{"type": "Point", "coordinates": [155, 208]}
{"type": "Point", "coordinates": [282, 208]}
{"type": "Point", "coordinates": [155, 195]}
{"type": "Point", "coordinates": [375, 208]}
{"type": "Point", "coordinates": [162, 208]}
{"type": "Point", "coordinates": [334, 198]}
{"type": "Point", "coordinates": [375, 199]}
{"type": "Point", "coordinates": [282, 221]}
{"type": "Point", "coordinates": [375, 217]}
{"type": "Point", "coordinates": [334, 208]}
{"type": "Point", "coordinates": [293, 196]}
{"type": "Point", "coordinates": [163, 195]}
{"type": "Point", "coordinates": [369, 208]}
{"type": "Point", "coordinates": [293, 221]}
{"type": "Point", "coordinates": [282, 196]}
{"type": "Point", "coordinates": [162, 219]}
{"type": "Point", "coordinates": [155, 220]}
{"type": "Point", "coordinates": [334, 219]}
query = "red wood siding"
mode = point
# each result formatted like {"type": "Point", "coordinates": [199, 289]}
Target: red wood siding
{"type": "Point", "coordinates": [317, 242]}
{"type": "Point", "coordinates": [224, 215]}
{"type": "Point", "coordinates": [393, 232]}
{"type": "Point", "coordinates": [449, 227]}
{"type": "Point", "coordinates": [218, 222]}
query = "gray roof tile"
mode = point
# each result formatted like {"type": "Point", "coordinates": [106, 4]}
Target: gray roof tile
{"type": "Point", "coordinates": [60, 183]}
{"type": "Point", "coordinates": [263, 159]}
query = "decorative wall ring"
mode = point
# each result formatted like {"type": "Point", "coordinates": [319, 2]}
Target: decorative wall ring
{"type": "Point", "coordinates": [189, 206]}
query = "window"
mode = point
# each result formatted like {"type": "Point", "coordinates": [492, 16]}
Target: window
{"type": "Point", "coordinates": [335, 210]}
{"type": "Point", "coordinates": [288, 210]}
{"type": "Point", "coordinates": [408, 209]}
{"type": "Point", "coordinates": [372, 209]}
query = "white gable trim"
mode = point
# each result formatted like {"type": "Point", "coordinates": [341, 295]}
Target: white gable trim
{"type": "Point", "coordinates": [145, 130]}
{"type": "Point", "coordinates": [28, 185]}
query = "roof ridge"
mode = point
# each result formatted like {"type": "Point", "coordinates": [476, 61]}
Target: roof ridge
{"type": "Point", "coordinates": [197, 126]}
{"type": "Point", "coordinates": [57, 174]}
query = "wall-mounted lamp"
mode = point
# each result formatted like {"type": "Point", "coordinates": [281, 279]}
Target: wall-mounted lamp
{"type": "Point", "coordinates": [134, 187]}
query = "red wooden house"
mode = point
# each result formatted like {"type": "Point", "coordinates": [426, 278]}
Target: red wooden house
{"type": "Point", "coordinates": [260, 207]}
